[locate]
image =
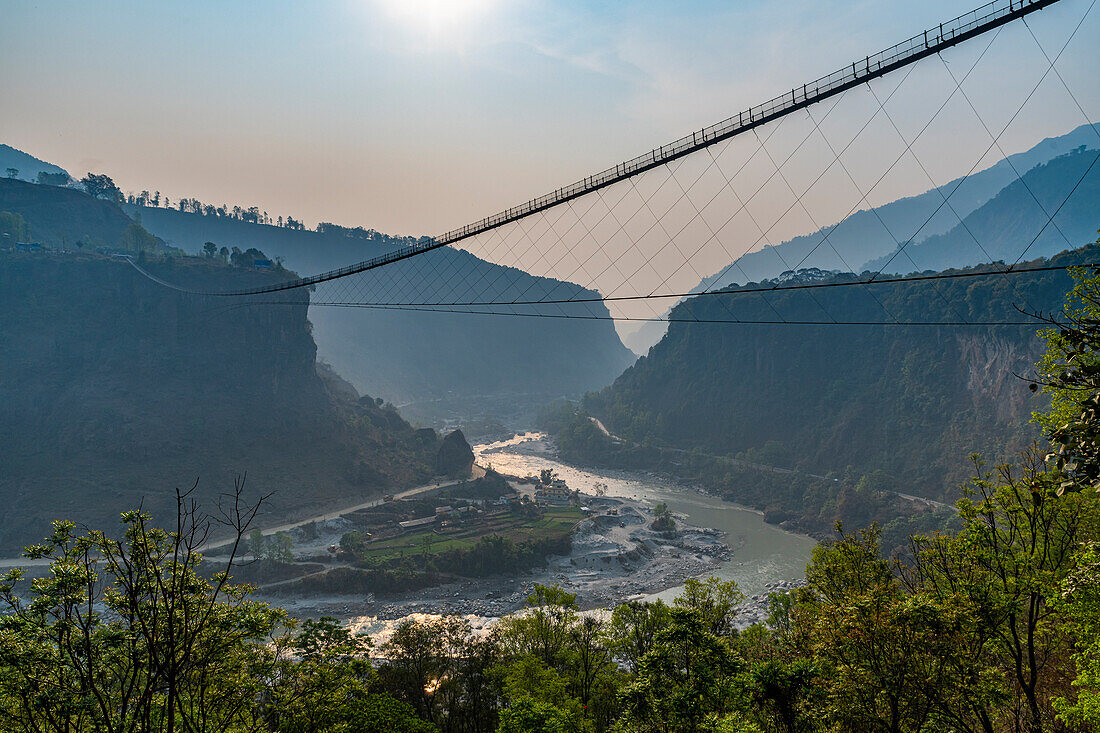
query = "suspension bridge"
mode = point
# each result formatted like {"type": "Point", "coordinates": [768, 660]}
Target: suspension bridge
{"type": "Point", "coordinates": [658, 219]}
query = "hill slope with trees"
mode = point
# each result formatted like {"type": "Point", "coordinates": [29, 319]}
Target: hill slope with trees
{"type": "Point", "coordinates": [117, 390]}
{"type": "Point", "coordinates": [67, 218]}
{"type": "Point", "coordinates": [909, 401]}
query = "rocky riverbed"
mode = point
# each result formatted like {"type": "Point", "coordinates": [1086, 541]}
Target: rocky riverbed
{"type": "Point", "coordinates": [615, 556]}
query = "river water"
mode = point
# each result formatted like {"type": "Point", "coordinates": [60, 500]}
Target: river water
{"type": "Point", "coordinates": [763, 553]}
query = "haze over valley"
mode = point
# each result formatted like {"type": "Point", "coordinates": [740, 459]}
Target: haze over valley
{"type": "Point", "coordinates": [406, 366]}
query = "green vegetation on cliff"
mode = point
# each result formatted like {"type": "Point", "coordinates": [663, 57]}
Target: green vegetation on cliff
{"type": "Point", "coordinates": [910, 401]}
{"type": "Point", "coordinates": [117, 390]}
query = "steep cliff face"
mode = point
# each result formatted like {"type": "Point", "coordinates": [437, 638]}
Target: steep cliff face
{"type": "Point", "coordinates": [991, 365]}
{"type": "Point", "coordinates": [912, 401]}
{"type": "Point", "coordinates": [116, 390]}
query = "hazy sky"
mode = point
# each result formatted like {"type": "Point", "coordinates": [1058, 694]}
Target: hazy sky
{"type": "Point", "coordinates": [413, 116]}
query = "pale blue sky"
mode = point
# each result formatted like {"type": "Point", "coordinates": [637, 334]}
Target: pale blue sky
{"type": "Point", "coordinates": [413, 116]}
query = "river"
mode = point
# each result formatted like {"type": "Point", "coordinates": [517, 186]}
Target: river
{"type": "Point", "coordinates": [763, 553]}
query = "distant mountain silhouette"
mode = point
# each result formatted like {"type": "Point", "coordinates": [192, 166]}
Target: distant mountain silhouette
{"type": "Point", "coordinates": [28, 166]}
{"type": "Point", "coordinates": [1015, 220]}
{"type": "Point", "coordinates": [862, 237]}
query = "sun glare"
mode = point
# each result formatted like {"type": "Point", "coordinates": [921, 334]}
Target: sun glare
{"type": "Point", "coordinates": [437, 16]}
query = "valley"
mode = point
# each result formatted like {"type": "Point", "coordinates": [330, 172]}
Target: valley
{"type": "Point", "coordinates": [613, 556]}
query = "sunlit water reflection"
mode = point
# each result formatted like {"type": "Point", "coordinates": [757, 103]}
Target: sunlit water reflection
{"type": "Point", "coordinates": [763, 553]}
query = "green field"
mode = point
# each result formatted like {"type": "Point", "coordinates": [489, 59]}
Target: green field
{"type": "Point", "coordinates": [553, 522]}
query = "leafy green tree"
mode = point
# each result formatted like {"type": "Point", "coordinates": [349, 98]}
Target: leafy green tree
{"type": "Point", "coordinates": [13, 225]}
{"type": "Point", "coordinates": [589, 658]}
{"type": "Point", "coordinates": [257, 544]}
{"type": "Point", "coordinates": [871, 638]}
{"type": "Point", "coordinates": [543, 630]}
{"type": "Point", "coordinates": [353, 543]}
{"type": "Point", "coordinates": [328, 689]}
{"type": "Point", "coordinates": [1070, 374]}
{"type": "Point", "coordinates": [1080, 601]}
{"type": "Point", "coordinates": [422, 655]}
{"type": "Point", "coordinates": [686, 682]}
{"type": "Point", "coordinates": [210, 250]}
{"type": "Point", "coordinates": [789, 696]}
{"type": "Point", "coordinates": [715, 600]}
{"type": "Point", "coordinates": [136, 239]}
{"type": "Point", "coordinates": [537, 701]}
{"type": "Point", "coordinates": [1016, 547]}
{"type": "Point", "coordinates": [280, 548]}
{"type": "Point", "coordinates": [633, 629]}
{"type": "Point", "coordinates": [126, 635]}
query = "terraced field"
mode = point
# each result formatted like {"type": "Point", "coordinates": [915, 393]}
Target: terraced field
{"type": "Point", "coordinates": [554, 522]}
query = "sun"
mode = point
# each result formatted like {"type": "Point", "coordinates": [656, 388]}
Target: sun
{"type": "Point", "coordinates": [437, 16]}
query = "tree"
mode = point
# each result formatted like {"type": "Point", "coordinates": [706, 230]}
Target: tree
{"type": "Point", "coordinates": [101, 187]}
{"type": "Point", "coordinates": [589, 657]}
{"type": "Point", "coordinates": [1070, 374]}
{"type": "Point", "coordinates": [543, 631]}
{"type": "Point", "coordinates": [421, 656]}
{"type": "Point", "coordinates": [1017, 544]}
{"type": "Point", "coordinates": [1080, 601]}
{"type": "Point", "coordinates": [537, 700]}
{"type": "Point", "coordinates": [13, 226]}
{"type": "Point", "coordinates": [137, 239]}
{"type": "Point", "coordinates": [788, 695]}
{"type": "Point", "coordinates": [687, 679]}
{"type": "Point", "coordinates": [52, 179]}
{"type": "Point", "coordinates": [13, 172]}
{"type": "Point", "coordinates": [126, 635]}
{"type": "Point", "coordinates": [663, 520]}
{"type": "Point", "coordinates": [210, 250]}
{"type": "Point", "coordinates": [715, 600]}
{"type": "Point", "coordinates": [257, 545]}
{"type": "Point", "coordinates": [280, 548]}
{"type": "Point", "coordinates": [874, 641]}
{"type": "Point", "coordinates": [633, 629]}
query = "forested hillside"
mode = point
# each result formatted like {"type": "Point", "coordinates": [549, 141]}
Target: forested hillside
{"type": "Point", "coordinates": [909, 401]}
{"type": "Point", "coordinates": [116, 390]}
{"type": "Point", "coordinates": [433, 364]}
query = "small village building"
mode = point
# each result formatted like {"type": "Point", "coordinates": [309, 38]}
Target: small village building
{"type": "Point", "coordinates": [413, 523]}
